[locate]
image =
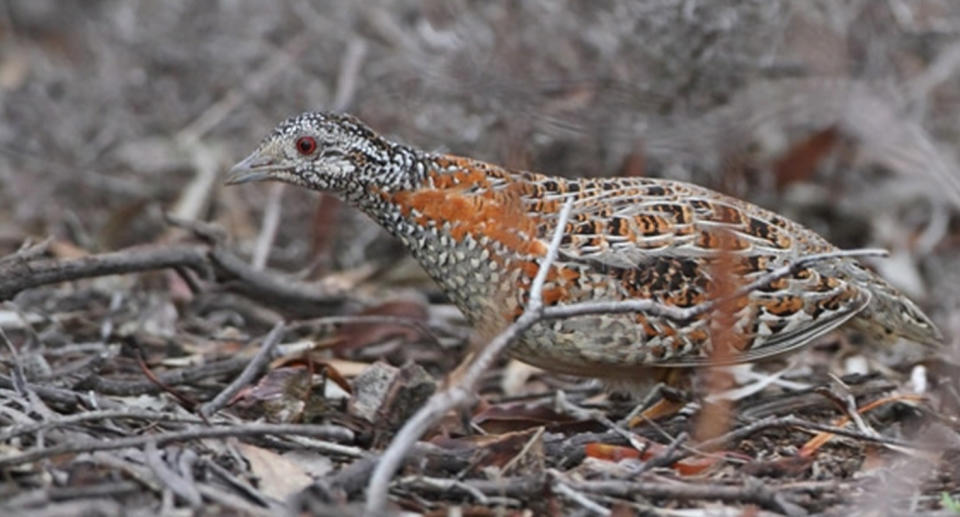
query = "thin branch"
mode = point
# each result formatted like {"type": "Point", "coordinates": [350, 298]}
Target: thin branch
{"type": "Point", "coordinates": [330, 432]}
{"type": "Point", "coordinates": [18, 505]}
{"type": "Point", "coordinates": [462, 390]}
{"type": "Point", "coordinates": [525, 487]}
{"type": "Point", "coordinates": [269, 226]}
{"type": "Point", "coordinates": [67, 399]}
{"type": "Point", "coordinates": [349, 72]}
{"type": "Point", "coordinates": [799, 423]}
{"type": "Point", "coordinates": [256, 365]}
{"type": "Point", "coordinates": [536, 289]}
{"type": "Point", "coordinates": [368, 319]}
{"type": "Point", "coordinates": [18, 376]}
{"type": "Point", "coordinates": [751, 492]}
{"type": "Point", "coordinates": [107, 386]}
{"type": "Point", "coordinates": [27, 252]}
{"type": "Point", "coordinates": [90, 416]}
{"type": "Point", "coordinates": [448, 485]}
{"type": "Point", "coordinates": [303, 298]}
{"type": "Point", "coordinates": [183, 488]}
{"type": "Point", "coordinates": [535, 439]}
{"type": "Point", "coordinates": [792, 421]}
{"type": "Point", "coordinates": [209, 262]}
{"type": "Point", "coordinates": [561, 487]}
{"type": "Point", "coordinates": [184, 399]}
{"type": "Point", "coordinates": [19, 276]}
{"type": "Point", "coordinates": [232, 480]}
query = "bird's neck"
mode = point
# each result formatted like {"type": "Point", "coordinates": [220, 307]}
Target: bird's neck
{"type": "Point", "coordinates": [453, 198]}
{"type": "Point", "coordinates": [385, 169]}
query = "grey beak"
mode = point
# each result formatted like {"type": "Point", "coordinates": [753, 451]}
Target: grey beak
{"type": "Point", "coordinates": [252, 168]}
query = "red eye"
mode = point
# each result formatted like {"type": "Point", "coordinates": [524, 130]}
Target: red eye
{"type": "Point", "coordinates": [306, 144]}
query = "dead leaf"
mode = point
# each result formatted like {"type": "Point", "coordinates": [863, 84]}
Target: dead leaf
{"type": "Point", "coordinates": [491, 449]}
{"type": "Point", "coordinates": [279, 477]}
{"type": "Point", "coordinates": [323, 367]}
{"type": "Point", "coordinates": [180, 291]}
{"type": "Point", "coordinates": [615, 453]}
{"type": "Point", "coordinates": [814, 444]}
{"type": "Point", "coordinates": [66, 250]}
{"type": "Point", "coordinates": [345, 367]}
{"type": "Point", "coordinates": [281, 395]}
{"type": "Point", "coordinates": [515, 417]}
{"type": "Point", "coordinates": [515, 377]}
{"type": "Point", "coordinates": [315, 464]}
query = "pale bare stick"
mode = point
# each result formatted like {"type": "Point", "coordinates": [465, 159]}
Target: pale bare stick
{"type": "Point", "coordinates": [349, 72]}
{"type": "Point", "coordinates": [268, 228]}
{"type": "Point", "coordinates": [463, 390]}
{"type": "Point", "coordinates": [258, 363]}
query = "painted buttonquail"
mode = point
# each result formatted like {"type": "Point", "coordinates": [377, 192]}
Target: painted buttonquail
{"type": "Point", "coordinates": [480, 231]}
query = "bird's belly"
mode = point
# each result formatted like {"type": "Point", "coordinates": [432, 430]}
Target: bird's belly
{"type": "Point", "coordinates": [492, 291]}
{"type": "Point", "coordinates": [604, 346]}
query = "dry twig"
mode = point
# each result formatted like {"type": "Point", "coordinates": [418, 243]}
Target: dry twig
{"type": "Point", "coordinates": [258, 363]}
{"type": "Point", "coordinates": [330, 432]}
{"type": "Point", "coordinates": [19, 276]}
{"type": "Point", "coordinates": [462, 390]}
{"type": "Point", "coordinates": [209, 262]}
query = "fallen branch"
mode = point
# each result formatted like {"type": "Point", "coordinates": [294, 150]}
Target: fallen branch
{"type": "Point", "coordinates": [19, 276]}
{"type": "Point", "coordinates": [329, 432]}
{"type": "Point", "coordinates": [258, 363]}
{"type": "Point", "coordinates": [27, 252]}
{"type": "Point", "coordinates": [66, 399]}
{"type": "Point", "coordinates": [128, 388]}
{"type": "Point", "coordinates": [353, 478]}
{"type": "Point", "coordinates": [211, 262]}
{"type": "Point", "coordinates": [525, 488]}
{"type": "Point", "coordinates": [295, 296]}
{"type": "Point", "coordinates": [90, 416]}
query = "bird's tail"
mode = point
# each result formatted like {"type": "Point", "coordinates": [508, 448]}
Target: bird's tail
{"type": "Point", "coordinates": [892, 314]}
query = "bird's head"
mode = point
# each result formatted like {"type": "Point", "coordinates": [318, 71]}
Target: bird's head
{"type": "Point", "coordinates": [321, 151]}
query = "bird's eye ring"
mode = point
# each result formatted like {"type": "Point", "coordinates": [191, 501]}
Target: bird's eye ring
{"type": "Point", "coordinates": [306, 145]}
